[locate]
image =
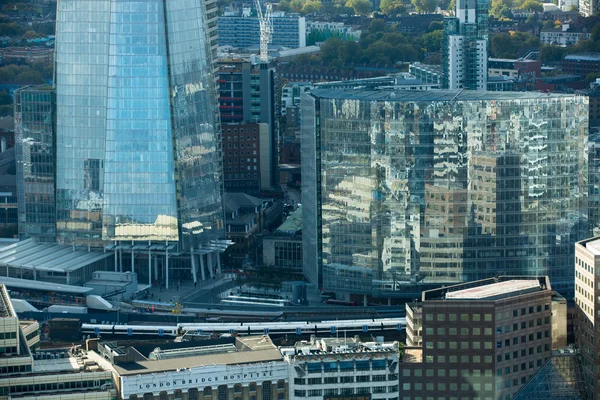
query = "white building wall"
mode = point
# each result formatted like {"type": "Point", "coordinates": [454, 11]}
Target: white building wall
{"type": "Point", "coordinates": [455, 62]}
{"type": "Point", "coordinates": [360, 382]}
{"type": "Point", "coordinates": [482, 58]}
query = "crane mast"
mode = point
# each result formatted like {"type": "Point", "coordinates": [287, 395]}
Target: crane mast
{"type": "Point", "coordinates": [266, 29]}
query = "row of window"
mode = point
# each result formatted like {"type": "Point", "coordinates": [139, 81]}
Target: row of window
{"type": "Point", "coordinates": [14, 369]}
{"type": "Point", "coordinates": [345, 366]}
{"type": "Point", "coordinates": [463, 317]}
{"type": "Point", "coordinates": [235, 153]}
{"type": "Point", "coordinates": [345, 391]}
{"type": "Point", "coordinates": [516, 368]}
{"type": "Point", "coordinates": [524, 353]}
{"type": "Point", "coordinates": [430, 372]}
{"type": "Point", "coordinates": [8, 335]}
{"type": "Point", "coordinates": [515, 340]}
{"type": "Point", "coordinates": [52, 387]}
{"type": "Point", "coordinates": [441, 331]}
{"type": "Point", "coordinates": [345, 379]}
{"type": "Point", "coordinates": [235, 146]}
{"type": "Point", "coordinates": [465, 345]}
{"type": "Point", "coordinates": [449, 387]}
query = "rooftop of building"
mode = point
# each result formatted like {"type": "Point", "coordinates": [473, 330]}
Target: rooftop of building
{"type": "Point", "coordinates": [583, 57]}
{"type": "Point", "coordinates": [338, 345]}
{"type": "Point", "coordinates": [31, 255]}
{"type": "Point", "coordinates": [413, 355]}
{"type": "Point", "coordinates": [592, 245]}
{"type": "Point", "coordinates": [431, 95]}
{"type": "Point", "coordinates": [27, 284]}
{"type": "Point", "coordinates": [494, 290]}
{"type": "Point", "coordinates": [292, 224]}
{"type": "Point", "coordinates": [512, 60]}
{"type": "Point", "coordinates": [170, 356]}
{"type": "Point", "coordinates": [490, 289]}
{"type": "Point", "coordinates": [6, 308]}
{"type": "Point", "coordinates": [429, 67]}
{"type": "Point", "coordinates": [7, 123]}
{"type": "Point", "coordinates": [233, 201]}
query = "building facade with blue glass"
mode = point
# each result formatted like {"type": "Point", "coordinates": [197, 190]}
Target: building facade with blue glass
{"type": "Point", "coordinates": [405, 190]}
{"type": "Point", "coordinates": [138, 137]}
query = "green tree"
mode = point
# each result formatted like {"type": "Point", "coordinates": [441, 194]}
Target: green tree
{"type": "Point", "coordinates": [435, 26]}
{"type": "Point", "coordinates": [360, 7]}
{"type": "Point", "coordinates": [432, 41]}
{"type": "Point", "coordinates": [377, 25]}
{"type": "Point", "coordinates": [5, 99]}
{"type": "Point", "coordinates": [7, 75]}
{"type": "Point", "coordinates": [30, 77]}
{"type": "Point", "coordinates": [592, 77]}
{"type": "Point", "coordinates": [425, 6]}
{"type": "Point", "coordinates": [296, 5]}
{"type": "Point", "coordinates": [501, 44]}
{"type": "Point", "coordinates": [392, 7]}
{"type": "Point", "coordinates": [380, 52]}
{"type": "Point", "coordinates": [350, 52]}
{"type": "Point", "coordinates": [550, 53]}
{"type": "Point", "coordinates": [532, 5]}
{"type": "Point", "coordinates": [311, 7]}
{"type": "Point", "coordinates": [330, 49]}
{"type": "Point", "coordinates": [284, 5]}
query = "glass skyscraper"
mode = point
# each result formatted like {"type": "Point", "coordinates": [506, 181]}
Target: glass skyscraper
{"type": "Point", "coordinates": [404, 189]}
{"type": "Point", "coordinates": [137, 124]}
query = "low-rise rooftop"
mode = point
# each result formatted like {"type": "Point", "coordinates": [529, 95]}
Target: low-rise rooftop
{"type": "Point", "coordinates": [493, 290]}
{"type": "Point", "coordinates": [430, 95]}
{"type": "Point", "coordinates": [251, 349]}
{"type": "Point", "coordinates": [490, 289]}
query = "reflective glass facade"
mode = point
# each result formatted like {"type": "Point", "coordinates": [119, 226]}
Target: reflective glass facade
{"type": "Point", "coordinates": [437, 187]}
{"type": "Point", "coordinates": [35, 117]}
{"type": "Point", "coordinates": [137, 125]}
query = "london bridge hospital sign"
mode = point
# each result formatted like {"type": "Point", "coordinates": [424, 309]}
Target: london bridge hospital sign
{"type": "Point", "coordinates": [200, 377]}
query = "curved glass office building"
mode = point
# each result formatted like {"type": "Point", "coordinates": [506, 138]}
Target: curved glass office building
{"type": "Point", "coordinates": [406, 189]}
{"type": "Point", "coordinates": [137, 125]}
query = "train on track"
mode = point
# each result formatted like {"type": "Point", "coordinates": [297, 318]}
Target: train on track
{"type": "Point", "coordinates": [249, 328]}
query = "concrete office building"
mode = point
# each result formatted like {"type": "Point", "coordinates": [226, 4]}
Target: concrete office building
{"type": "Point", "coordinates": [587, 268]}
{"type": "Point", "coordinates": [54, 375]}
{"type": "Point", "coordinates": [242, 31]}
{"type": "Point", "coordinates": [408, 190]}
{"type": "Point", "coordinates": [246, 368]}
{"type": "Point", "coordinates": [138, 167]}
{"type": "Point", "coordinates": [342, 368]}
{"type": "Point", "coordinates": [464, 46]}
{"type": "Point", "coordinates": [481, 340]}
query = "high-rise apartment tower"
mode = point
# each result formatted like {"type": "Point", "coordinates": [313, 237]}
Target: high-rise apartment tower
{"type": "Point", "coordinates": [464, 46]}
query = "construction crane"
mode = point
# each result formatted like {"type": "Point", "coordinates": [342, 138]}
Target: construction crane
{"type": "Point", "coordinates": [266, 29]}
